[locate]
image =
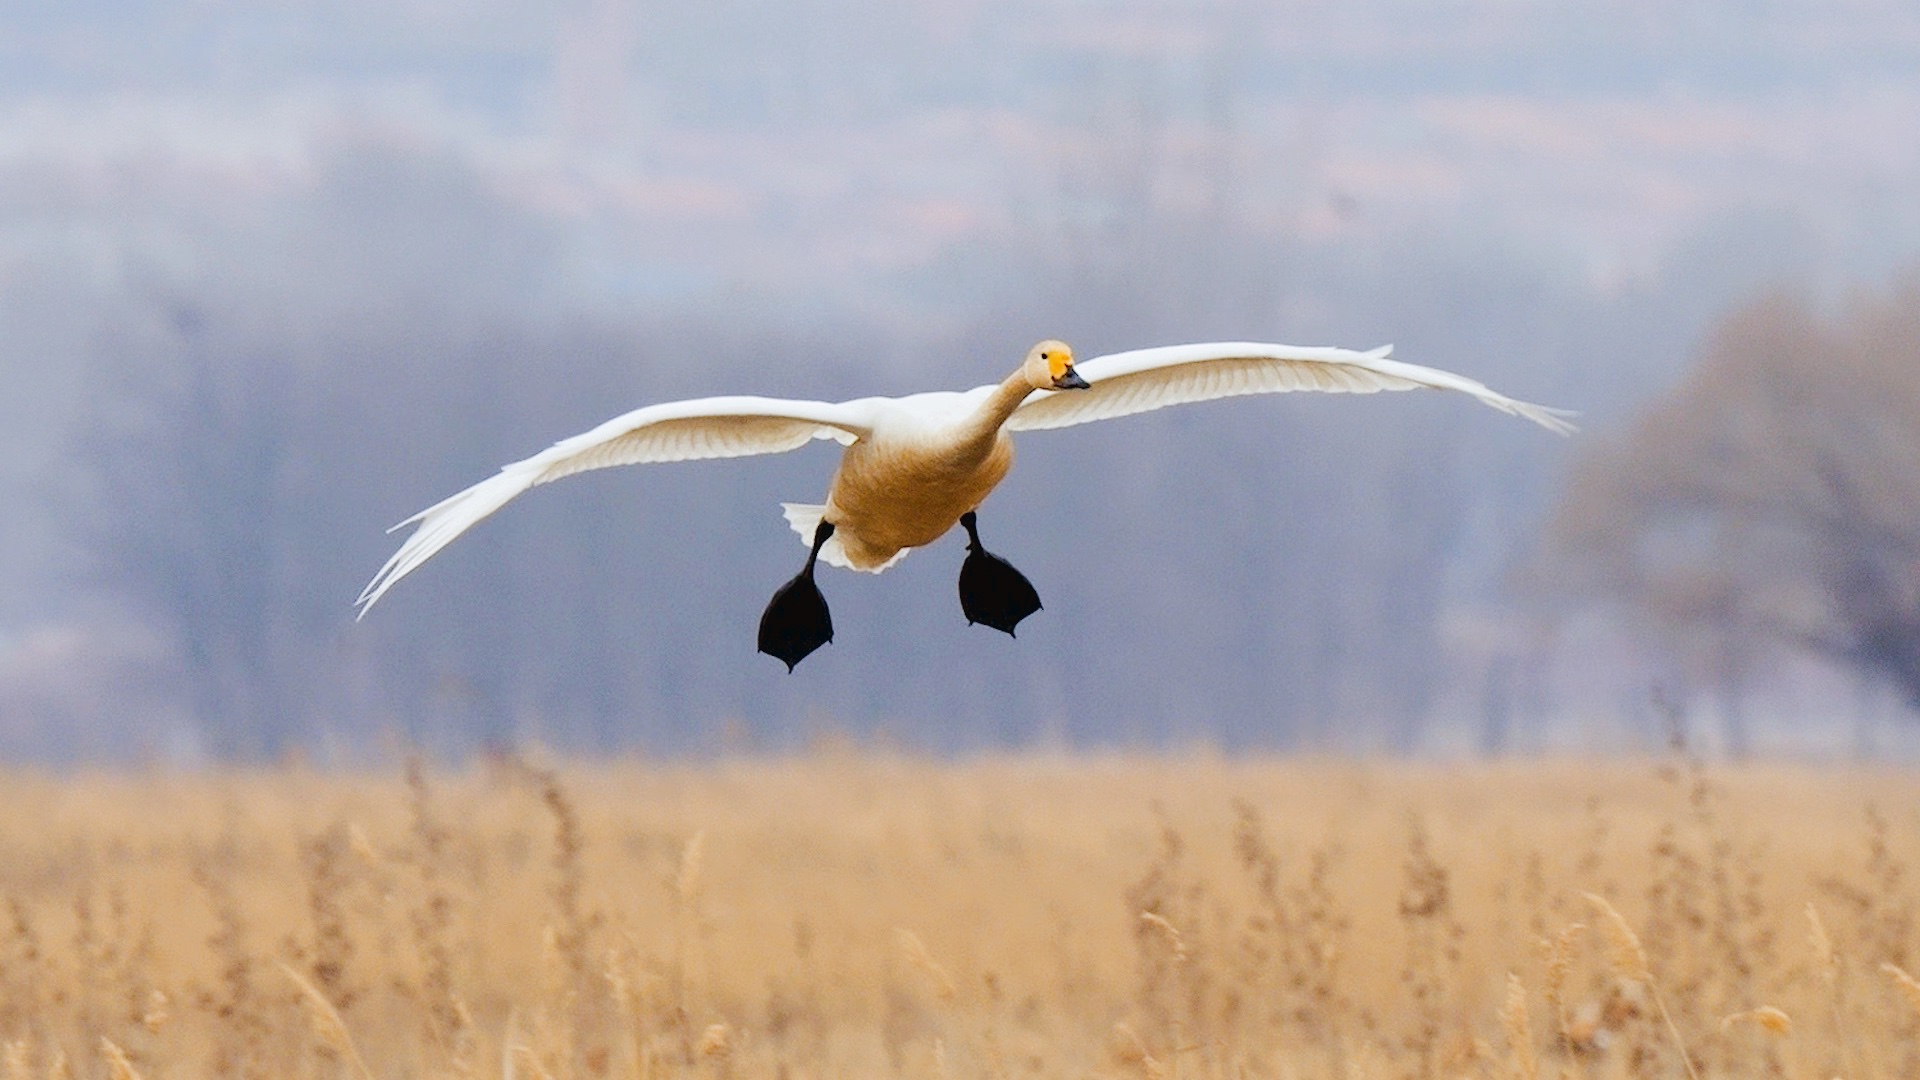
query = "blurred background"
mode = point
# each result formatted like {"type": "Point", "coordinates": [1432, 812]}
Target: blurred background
{"type": "Point", "coordinates": [277, 274]}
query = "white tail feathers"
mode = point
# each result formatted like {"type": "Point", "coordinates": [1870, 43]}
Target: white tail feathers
{"type": "Point", "coordinates": [805, 518]}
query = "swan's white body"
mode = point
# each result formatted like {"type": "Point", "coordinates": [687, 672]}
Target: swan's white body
{"type": "Point", "coordinates": [914, 464]}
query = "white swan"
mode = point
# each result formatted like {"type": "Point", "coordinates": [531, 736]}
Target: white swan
{"type": "Point", "coordinates": [915, 466]}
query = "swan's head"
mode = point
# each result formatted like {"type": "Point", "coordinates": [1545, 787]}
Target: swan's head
{"type": "Point", "coordinates": [1049, 366]}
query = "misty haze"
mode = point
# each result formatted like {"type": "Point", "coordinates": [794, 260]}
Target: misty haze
{"type": "Point", "coordinates": [275, 276]}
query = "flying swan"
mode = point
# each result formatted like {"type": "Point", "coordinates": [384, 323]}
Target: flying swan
{"type": "Point", "coordinates": [916, 465]}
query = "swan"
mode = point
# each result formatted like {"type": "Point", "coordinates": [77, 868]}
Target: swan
{"type": "Point", "coordinates": [915, 466]}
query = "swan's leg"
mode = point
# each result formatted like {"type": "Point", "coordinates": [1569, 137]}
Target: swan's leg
{"type": "Point", "coordinates": [991, 590]}
{"type": "Point", "coordinates": [796, 621]}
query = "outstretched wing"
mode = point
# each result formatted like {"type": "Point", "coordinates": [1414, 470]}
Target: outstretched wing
{"type": "Point", "coordinates": [1144, 379]}
{"type": "Point", "coordinates": [714, 427]}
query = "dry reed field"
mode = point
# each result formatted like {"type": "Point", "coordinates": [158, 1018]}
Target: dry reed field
{"type": "Point", "coordinates": [849, 915]}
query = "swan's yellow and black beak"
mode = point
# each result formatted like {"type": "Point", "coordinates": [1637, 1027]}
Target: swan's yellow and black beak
{"type": "Point", "coordinates": [1059, 361]}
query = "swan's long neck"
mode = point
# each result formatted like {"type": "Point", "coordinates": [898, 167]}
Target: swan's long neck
{"type": "Point", "coordinates": [985, 423]}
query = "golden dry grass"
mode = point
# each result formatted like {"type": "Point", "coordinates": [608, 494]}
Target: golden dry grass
{"type": "Point", "coordinates": [844, 915]}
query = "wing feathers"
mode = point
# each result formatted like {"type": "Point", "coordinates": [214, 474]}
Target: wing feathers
{"type": "Point", "coordinates": [675, 431]}
{"type": "Point", "coordinates": [1133, 382]}
{"type": "Point", "coordinates": [687, 440]}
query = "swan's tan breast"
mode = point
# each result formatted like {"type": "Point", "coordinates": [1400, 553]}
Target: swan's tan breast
{"type": "Point", "coordinates": [892, 495]}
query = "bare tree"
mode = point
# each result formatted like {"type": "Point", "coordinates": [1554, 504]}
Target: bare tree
{"type": "Point", "coordinates": [1770, 500]}
{"type": "Point", "coordinates": [185, 519]}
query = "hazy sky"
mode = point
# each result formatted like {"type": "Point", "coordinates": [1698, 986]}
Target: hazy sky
{"type": "Point", "coordinates": [825, 146]}
{"type": "Point", "coordinates": [838, 139]}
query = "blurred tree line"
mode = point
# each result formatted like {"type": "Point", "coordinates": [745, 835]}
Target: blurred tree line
{"type": "Point", "coordinates": [1303, 572]}
{"type": "Point", "coordinates": [1270, 572]}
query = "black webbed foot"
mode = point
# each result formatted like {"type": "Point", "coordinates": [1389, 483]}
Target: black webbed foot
{"type": "Point", "coordinates": [797, 621]}
{"type": "Point", "coordinates": [992, 592]}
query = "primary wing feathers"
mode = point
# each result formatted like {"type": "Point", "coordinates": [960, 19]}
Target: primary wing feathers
{"type": "Point", "coordinates": [1145, 379]}
{"type": "Point", "coordinates": [675, 431]}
